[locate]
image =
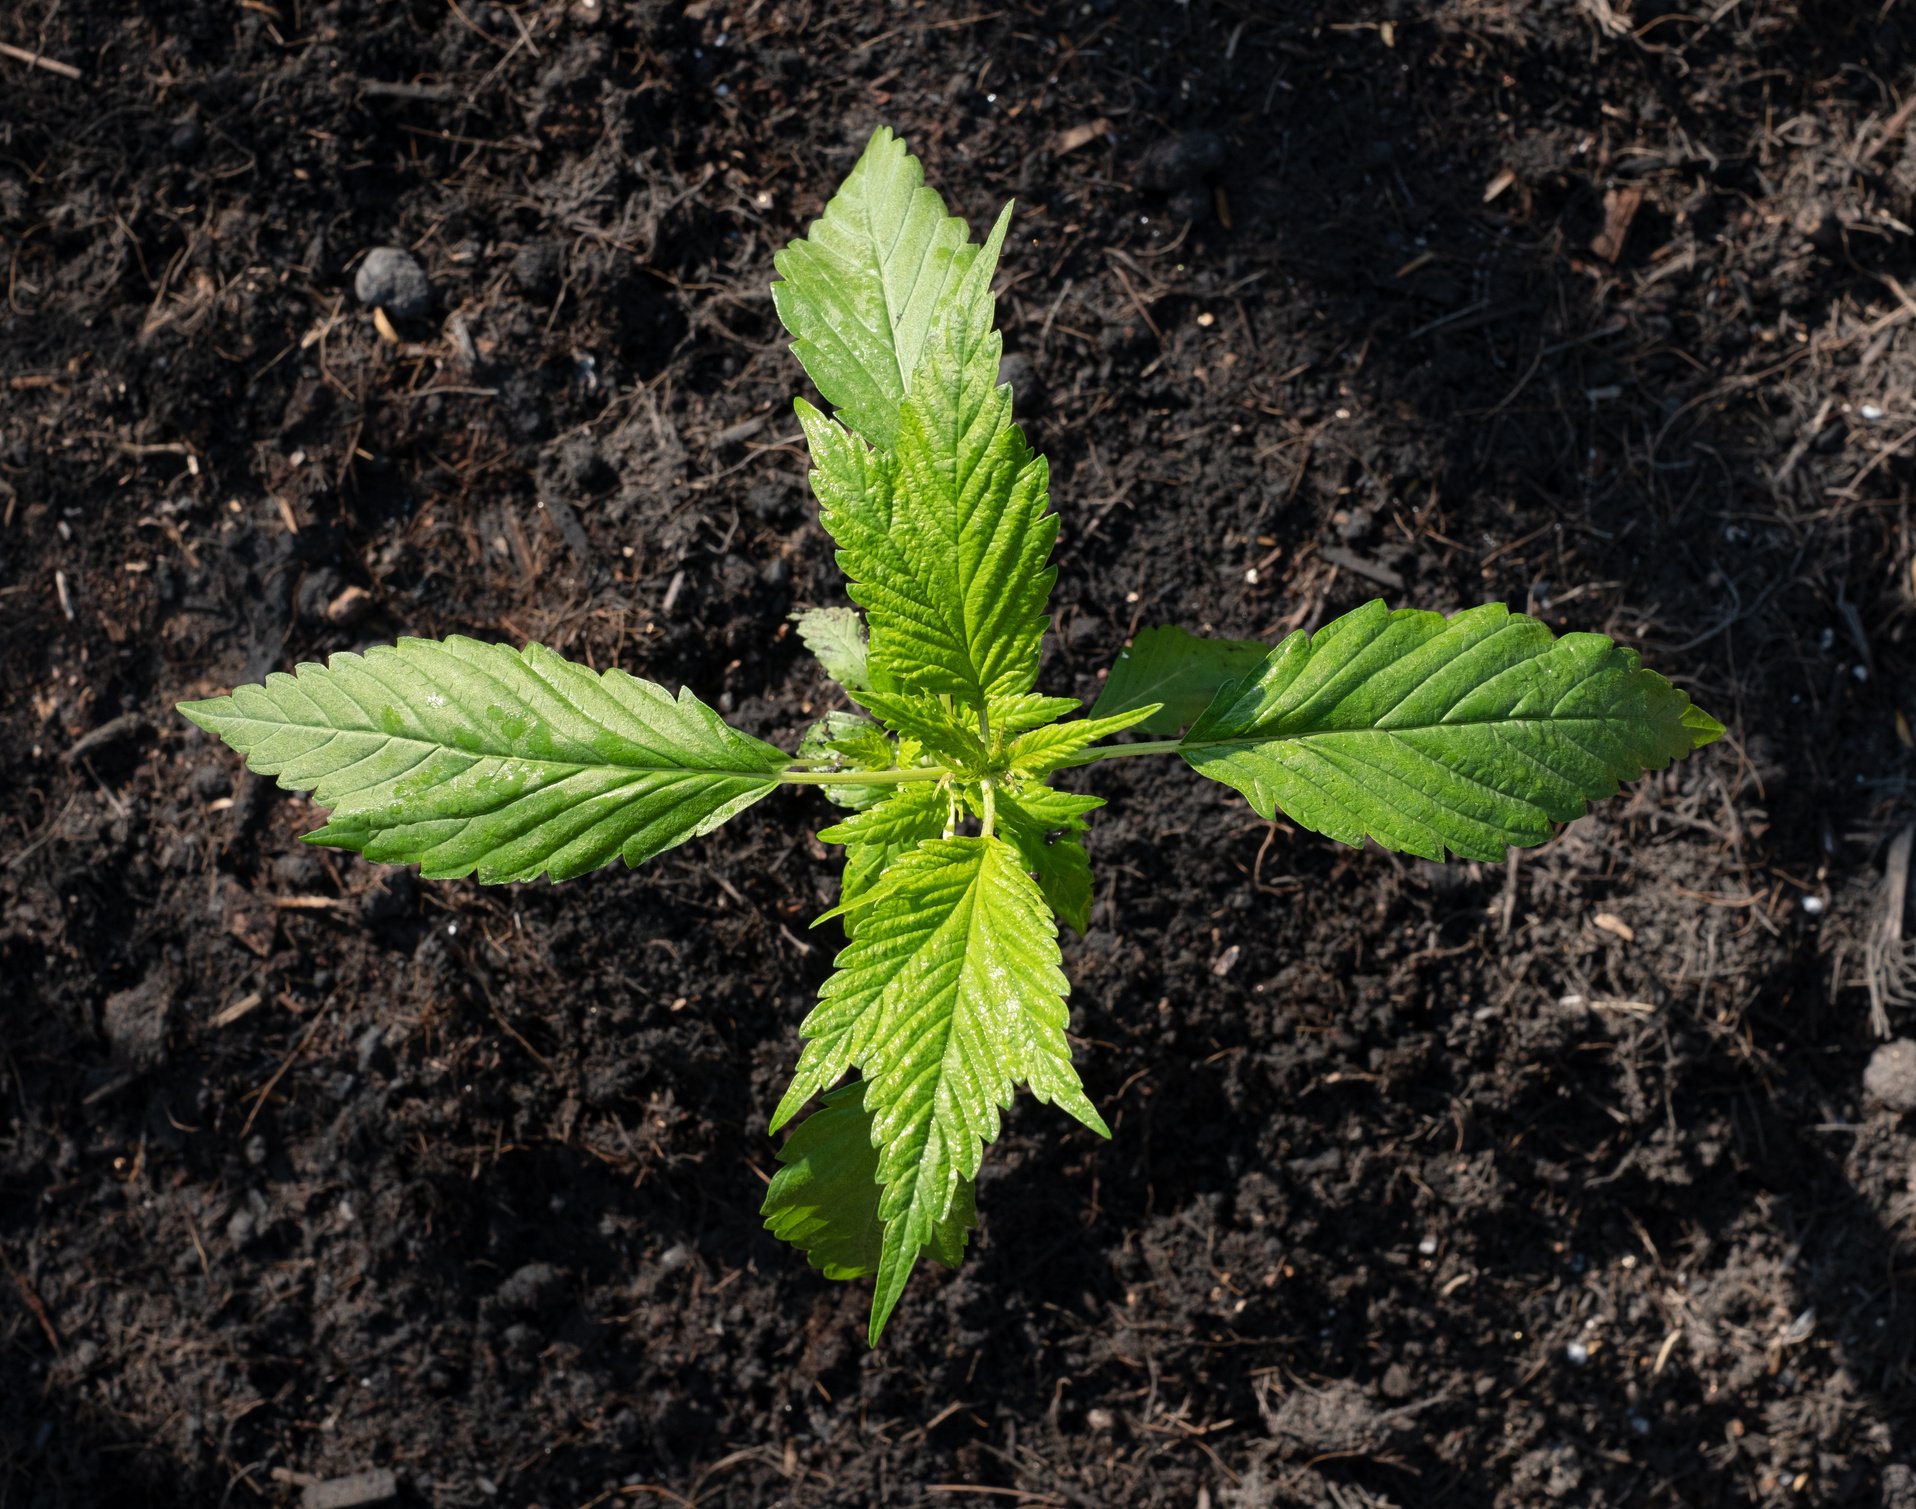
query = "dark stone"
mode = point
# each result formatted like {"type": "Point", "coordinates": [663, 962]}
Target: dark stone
{"type": "Point", "coordinates": [1178, 161]}
{"type": "Point", "coordinates": [536, 1286]}
{"type": "Point", "coordinates": [538, 269]}
{"type": "Point", "coordinates": [135, 1021]}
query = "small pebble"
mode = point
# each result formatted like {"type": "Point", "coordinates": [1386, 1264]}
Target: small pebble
{"type": "Point", "coordinates": [1890, 1079]}
{"type": "Point", "coordinates": [1813, 905]}
{"type": "Point", "coordinates": [394, 281]}
{"type": "Point", "coordinates": [1577, 1354]}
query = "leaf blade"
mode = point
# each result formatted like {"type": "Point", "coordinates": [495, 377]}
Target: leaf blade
{"type": "Point", "coordinates": [949, 995]}
{"type": "Point", "coordinates": [862, 291]}
{"type": "Point", "coordinates": [1475, 733]}
{"type": "Point", "coordinates": [472, 758]}
{"type": "Point", "coordinates": [824, 1198]}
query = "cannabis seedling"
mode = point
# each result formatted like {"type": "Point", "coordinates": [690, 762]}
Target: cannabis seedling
{"type": "Point", "coordinates": [1424, 734]}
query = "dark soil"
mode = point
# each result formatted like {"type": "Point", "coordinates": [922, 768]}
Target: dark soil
{"type": "Point", "coordinates": [1548, 1184]}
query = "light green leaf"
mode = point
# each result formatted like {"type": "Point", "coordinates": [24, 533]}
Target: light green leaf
{"type": "Point", "coordinates": [1022, 711]}
{"type": "Point", "coordinates": [1047, 829]}
{"type": "Point", "coordinates": [464, 757]}
{"type": "Point", "coordinates": [1473, 734]}
{"type": "Point", "coordinates": [944, 541]}
{"type": "Point", "coordinates": [863, 292]}
{"type": "Point", "coordinates": [824, 1199]}
{"type": "Point", "coordinates": [943, 732]}
{"type": "Point", "coordinates": [1180, 671]}
{"type": "Point", "coordinates": [877, 837]}
{"type": "Point", "coordinates": [948, 996]}
{"type": "Point", "coordinates": [1041, 751]}
{"type": "Point", "coordinates": [836, 638]}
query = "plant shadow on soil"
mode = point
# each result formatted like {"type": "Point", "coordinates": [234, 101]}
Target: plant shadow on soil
{"type": "Point", "coordinates": [1372, 1177]}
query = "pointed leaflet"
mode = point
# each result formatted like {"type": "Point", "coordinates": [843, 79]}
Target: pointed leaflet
{"type": "Point", "coordinates": [460, 756]}
{"type": "Point", "coordinates": [949, 736]}
{"type": "Point", "coordinates": [1057, 745]}
{"type": "Point", "coordinates": [948, 996]}
{"type": "Point", "coordinates": [945, 539]}
{"type": "Point", "coordinates": [1046, 827]}
{"type": "Point", "coordinates": [864, 290]}
{"type": "Point", "coordinates": [1178, 670]}
{"type": "Point", "coordinates": [1471, 734]}
{"type": "Point", "coordinates": [824, 1198]}
{"type": "Point", "coordinates": [1020, 712]}
{"type": "Point", "coordinates": [836, 638]}
{"type": "Point", "coordinates": [882, 834]}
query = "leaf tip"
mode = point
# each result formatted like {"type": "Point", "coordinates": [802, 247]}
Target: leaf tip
{"type": "Point", "coordinates": [1703, 729]}
{"type": "Point", "coordinates": [205, 712]}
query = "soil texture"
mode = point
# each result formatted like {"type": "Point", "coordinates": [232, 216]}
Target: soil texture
{"type": "Point", "coordinates": [1575, 1181]}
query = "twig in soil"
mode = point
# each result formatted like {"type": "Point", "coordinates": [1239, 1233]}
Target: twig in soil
{"type": "Point", "coordinates": [32, 1302]}
{"type": "Point", "coordinates": [36, 60]}
{"type": "Point", "coordinates": [53, 831]}
{"type": "Point", "coordinates": [285, 1064]}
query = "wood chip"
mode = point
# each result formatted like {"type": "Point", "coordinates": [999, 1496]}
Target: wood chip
{"type": "Point", "coordinates": [238, 1009]}
{"type": "Point", "coordinates": [1363, 566]}
{"type": "Point", "coordinates": [1619, 209]}
{"type": "Point", "coordinates": [1074, 137]}
{"type": "Point", "coordinates": [376, 1486]}
{"type": "Point", "coordinates": [1499, 184]}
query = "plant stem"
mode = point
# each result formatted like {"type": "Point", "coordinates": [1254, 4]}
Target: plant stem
{"type": "Point", "coordinates": [1124, 751]}
{"type": "Point", "coordinates": [911, 773]}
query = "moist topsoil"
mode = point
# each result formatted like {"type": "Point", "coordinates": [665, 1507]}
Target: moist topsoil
{"type": "Point", "coordinates": [1554, 1182]}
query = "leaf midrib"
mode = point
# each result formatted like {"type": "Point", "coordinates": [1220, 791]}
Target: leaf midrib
{"type": "Point", "coordinates": [1188, 743]}
{"type": "Point", "coordinates": [772, 776]}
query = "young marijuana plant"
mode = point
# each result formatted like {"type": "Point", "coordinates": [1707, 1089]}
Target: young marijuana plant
{"type": "Point", "coordinates": [1423, 733]}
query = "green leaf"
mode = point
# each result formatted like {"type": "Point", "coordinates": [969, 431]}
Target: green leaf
{"type": "Point", "coordinates": [943, 732]}
{"type": "Point", "coordinates": [1037, 753]}
{"type": "Point", "coordinates": [1047, 829]}
{"type": "Point", "coordinates": [464, 757]}
{"type": "Point", "coordinates": [1180, 671]}
{"type": "Point", "coordinates": [945, 540]}
{"type": "Point", "coordinates": [878, 837]}
{"type": "Point", "coordinates": [824, 1199]}
{"type": "Point", "coordinates": [863, 292]}
{"type": "Point", "coordinates": [1474, 733]}
{"type": "Point", "coordinates": [836, 638]}
{"type": "Point", "coordinates": [1020, 712]}
{"type": "Point", "coordinates": [948, 996]}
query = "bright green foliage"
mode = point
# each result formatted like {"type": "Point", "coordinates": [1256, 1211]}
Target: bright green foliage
{"type": "Point", "coordinates": [1048, 829]}
{"type": "Point", "coordinates": [948, 997]}
{"type": "Point", "coordinates": [1469, 735]}
{"type": "Point", "coordinates": [1179, 671]}
{"type": "Point", "coordinates": [465, 758]}
{"type": "Point", "coordinates": [869, 286]}
{"type": "Point", "coordinates": [824, 1200]}
{"type": "Point", "coordinates": [1041, 751]}
{"type": "Point", "coordinates": [878, 837]}
{"type": "Point", "coordinates": [942, 730]}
